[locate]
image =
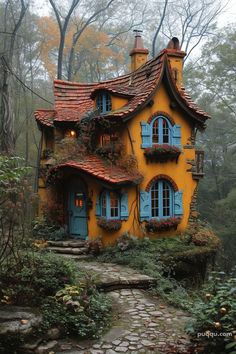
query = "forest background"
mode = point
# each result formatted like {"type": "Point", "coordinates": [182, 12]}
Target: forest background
{"type": "Point", "coordinates": [90, 40]}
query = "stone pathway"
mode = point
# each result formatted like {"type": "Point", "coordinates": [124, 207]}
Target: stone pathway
{"type": "Point", "coordinates": [142, 323]}
{"type": "Point", "coordinates": [112, 277]}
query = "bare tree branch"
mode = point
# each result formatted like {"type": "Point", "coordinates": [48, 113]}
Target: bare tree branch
{"type": "Point", "coordinates": [63, 29]}
{"type": "Point", "coordinates": [158, 29]}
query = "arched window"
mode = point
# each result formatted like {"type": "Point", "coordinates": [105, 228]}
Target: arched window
{"type": "Point", "coordinates": [161, 131]}
{"type": "Point", "coordinates": [104, 102]}
{"type": "Point", "coordinates": [110, 205]}
{"type": "Point", "coordinates": [161, 200]}
{"type": "Point", "coordinates": [161, 197]}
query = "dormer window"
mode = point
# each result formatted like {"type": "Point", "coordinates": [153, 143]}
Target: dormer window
{"type": "Point", "coordinates": [104, 102]}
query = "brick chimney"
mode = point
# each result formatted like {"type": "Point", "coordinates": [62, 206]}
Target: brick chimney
{"type": "Point", "coordinates": [176, 60]}
{"type": "Point", "coordinates": [138, 54]}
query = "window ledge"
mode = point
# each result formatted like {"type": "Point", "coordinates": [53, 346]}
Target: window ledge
{"type": "Point", "coordinates": [110, 225]}
{"type": "Point", "coordinates": [154, 225]}
{"type": "Point", "coordinates": [162, 153]}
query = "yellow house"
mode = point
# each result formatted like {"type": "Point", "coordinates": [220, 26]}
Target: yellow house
{"type": "Point", "coordinates": [119, 156]}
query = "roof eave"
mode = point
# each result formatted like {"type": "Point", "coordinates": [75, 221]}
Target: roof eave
{"type": "Point", "coordinates": [102, 180]}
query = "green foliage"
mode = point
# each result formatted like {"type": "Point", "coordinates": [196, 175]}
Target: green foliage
{"type": "Point", "coordinates": [160, 259]}
{"type": "Point", "coordinates": [111, 152]}
{"type": "Point", "coordinates": [78, 311]}
{"type": "Point", "coordinates": [216, 313]}
{"type": "Point", "coordinates": [47, 230]}
{"type": "Point", "coordinates": [212, 82]}
{"type": "Point", "coordinates": [16, 207]}
{"type": "Point", "coordinates": [38, 276]}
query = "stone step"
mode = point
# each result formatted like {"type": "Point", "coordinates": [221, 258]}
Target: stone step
{"type": "Point", "coordinates": [69, 243]}
{"type": "Point", "coordinates": [75, 257]}
{"type": "Point", "coordinates": [112, 285]}
{"type": "Point", "coordinates": [68, 250]}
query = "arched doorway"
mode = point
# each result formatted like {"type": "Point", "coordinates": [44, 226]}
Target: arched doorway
{"type": "Point", "coordinates": [77, 210]}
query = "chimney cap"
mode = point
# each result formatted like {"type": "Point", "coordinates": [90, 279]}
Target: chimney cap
{"type": "Point", "coordinates": [138, 44]}
{"type": "Point", "coordinates": [174, 44]}
{"type": "Point", "coordinates": [137, 32]}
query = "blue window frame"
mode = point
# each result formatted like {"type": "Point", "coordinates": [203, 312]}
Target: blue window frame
{"type": "Point", "coordinates": [161, 197]}
{"type": "Point", "coordinates": [104, 102]}
{"type": "Point", "coordinates": [161, 201]}
{"type": "Point", "coordinates": [110, 205]}
{"type": "Point", "coordinates": [161, 131]}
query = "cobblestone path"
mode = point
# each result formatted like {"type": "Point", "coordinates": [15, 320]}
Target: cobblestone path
{"type": "Point", "coordinates": [110, 276]}
{"type": "Point", "coordinates": [142, 324]}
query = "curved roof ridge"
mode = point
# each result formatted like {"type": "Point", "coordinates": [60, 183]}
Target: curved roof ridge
{"type": "Point", "coordinates": [74, 99]}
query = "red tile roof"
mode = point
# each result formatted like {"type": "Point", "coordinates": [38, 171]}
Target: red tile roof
{"type": "Point", "coordinates": [45, 116]}
{"type": "Point", "coordinates": [73, 100]}
{"type": "Point", "coordinates": [192, 105]}
{"type": "Point", "coordinates": [96, 167]}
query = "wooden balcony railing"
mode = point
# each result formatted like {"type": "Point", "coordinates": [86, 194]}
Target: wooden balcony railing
{"type": "Point", "coordinates": [197, 169]}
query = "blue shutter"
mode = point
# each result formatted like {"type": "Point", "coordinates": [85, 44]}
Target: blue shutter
{"type": "Point", "coordinates": [146, 135]}
{"type": "Point", "coordinates": [124, 210]}
{"type": "Point", "coordinates": [178, 203]}
{"type": "Point", "coordinates": [144, 205]}
{"type": "Point", "coordinates": [176, 135]}
{"type": "Point", "coordinates": [98, 206]}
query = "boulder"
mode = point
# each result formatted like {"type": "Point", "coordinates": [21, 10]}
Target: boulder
{"type": "Point", "coordinates": [47, 347]}
{"type": "Point", "coordinates": [18, 320]}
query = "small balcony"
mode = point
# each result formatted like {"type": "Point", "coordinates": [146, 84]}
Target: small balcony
{"type": "Point", "coordinates": [197, 167]}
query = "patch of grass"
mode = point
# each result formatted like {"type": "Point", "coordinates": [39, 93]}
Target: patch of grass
{"type": "Point", "coordinates": [167, 260]}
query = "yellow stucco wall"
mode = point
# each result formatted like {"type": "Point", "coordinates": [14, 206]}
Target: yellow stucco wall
{"type": "Point", "coordinates": [177, 171]}
{"type": "Point", "coordinates": [177, 64]}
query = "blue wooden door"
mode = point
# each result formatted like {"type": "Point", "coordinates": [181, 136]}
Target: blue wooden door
{"type": "Point", "coordinates": [77, 214]}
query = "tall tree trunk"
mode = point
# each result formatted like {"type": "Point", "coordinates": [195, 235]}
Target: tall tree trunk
{"type": "Point", "coordinates": [60, 56]}
{"type": "Point", "coordinates": [7, 144]}
{"type": "Point", "coordinates": [7, 113]}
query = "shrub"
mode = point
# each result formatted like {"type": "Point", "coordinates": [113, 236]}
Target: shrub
{"type": "Point", "coordinates": [111, 152]}
{"type": "Point", "coordinates": [16, 208]}
{"type": "Point", "coordinates": [215, 314]}
{"type": "Point", "coordinates": [38, 276]}
{"type": "Point", "coordinates": [77, 310]}
{"type": "Point", "coordinates": [201, 234]}
{"type": "Point", "coordinates": [47, 230]}
{"type": "Point", "coordinates": [95, 246]}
